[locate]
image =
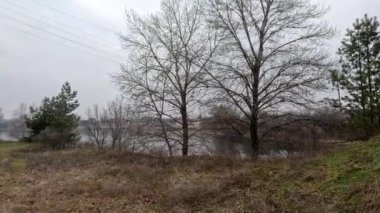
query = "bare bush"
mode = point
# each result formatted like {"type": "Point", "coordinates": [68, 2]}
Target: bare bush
{"type": "Point", "coordinates": [16, 126]}
{"type": "Point", "coordinates": [96, 130]}
{"type": "Point", "coordinates": [110, 126]}
{"type": "Point", "coordinates": [116, 120]}
{"type": "Point", "coordinates": [307, 131]}
{"type": "Point", "coordinates": [227, 131]}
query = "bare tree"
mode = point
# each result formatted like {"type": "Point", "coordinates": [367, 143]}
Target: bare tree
{"type": "Point", "coordinates": [152, 103]}
{"type": "Point", "coordinates": [169, 53]}
{"type": "Point", "coordinates": [16, 126]}
{"type": "Point", "coordinates": [21, 111]}
{"type": "Point", "coordinates": [96, 129]}
{"type": "Point", "coordinates": [270, 58]}
{"type": "Point", "coordinates": [116, 119]}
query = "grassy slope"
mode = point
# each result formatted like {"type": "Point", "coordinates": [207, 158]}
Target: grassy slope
{"type": "Point", "coordinates": [90, 181]}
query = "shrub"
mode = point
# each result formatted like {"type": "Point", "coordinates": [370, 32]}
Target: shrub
{"type": "Point", "coordinates": [54, 122]}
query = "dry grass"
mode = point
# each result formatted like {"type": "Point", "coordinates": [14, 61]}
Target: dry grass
{"type": "Point", "coordinates": [86, 180]}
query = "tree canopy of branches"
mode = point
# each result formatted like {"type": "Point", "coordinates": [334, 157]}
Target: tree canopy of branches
{"type": "Point", "coordinates": [54, 122]}
{"type": "Point", "coordinates": [110, 125]}
{"type": "Point", "coordinates": [269, 59]}
{"type": "Point", "coordinates": [17, 128]}
{"type": "Point", "coordinates": [169, 51]}
{"type": "Point", "coordinates": [359, 78]}
{"type": "Point", "coordinates": [96, 129]}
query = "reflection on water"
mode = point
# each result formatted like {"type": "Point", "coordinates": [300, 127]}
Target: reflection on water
{"type": "Point", "coordinates": [204, 147]}
{"type": "Point", "coordinates": [4, 136]}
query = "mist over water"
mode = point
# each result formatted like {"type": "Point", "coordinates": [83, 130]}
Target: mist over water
{"type": "Point", "coordinates": [211, 146]}
{"type": "Point", "coordinates": [4, 136]}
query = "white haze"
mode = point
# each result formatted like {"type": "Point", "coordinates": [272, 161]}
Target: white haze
{"type": "Point", "coordinates": [33, 67]}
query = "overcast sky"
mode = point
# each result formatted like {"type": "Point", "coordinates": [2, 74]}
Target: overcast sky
{"type": "Point", "coordinates": [44, 43]}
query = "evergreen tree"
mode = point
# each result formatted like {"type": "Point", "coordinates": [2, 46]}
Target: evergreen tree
{"type": "Point", "coordinates": [54, 121]}
{"type": "Point", "coordinates": [359, 78]}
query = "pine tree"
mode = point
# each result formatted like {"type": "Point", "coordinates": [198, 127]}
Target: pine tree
{"type": "Point", "coordinates": [360, 79]}
{"type": "Point", "coordinates": [55, 122]}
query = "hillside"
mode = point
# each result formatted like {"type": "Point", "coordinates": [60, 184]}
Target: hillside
{"type": "Point", "coordinates": [92, 181]}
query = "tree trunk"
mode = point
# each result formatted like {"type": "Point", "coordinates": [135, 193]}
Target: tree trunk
{"type": "Point", "coordinates": [113, 144]}
{"type": "Point", "coordinates": [255, 110]}
{"type": "Point", "coordinates": [166, 136]}
{"type": "Point", "coordinates": [254, 138]}
{"type": "Point", "coordinates": [362, 83]}
{"type": "Point", "coordinates": [185, 132]}
{"type": "Point", "coordinates": [185, 127]}
{"type": "Point", "coordinates": [378, 111]}
{"type": "Point", "coordinates": [314, 134]}
{"type": "Point", "coordinates": [339, 98]}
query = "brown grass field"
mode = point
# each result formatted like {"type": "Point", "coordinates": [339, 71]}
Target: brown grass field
{"type": "Point", "coordinates": [86, 180]}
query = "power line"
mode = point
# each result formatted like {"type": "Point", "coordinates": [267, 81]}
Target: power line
{"type": "Point", "coordinates": [73, 17]}
{"type": "Point", "coordinates": [53, 34]}
{"type": "Point", "coordinates": [7, 9]}
{"type": "Point", "coordinates": [53, 20]}
{"type": "Point", "coordinates": [54, 42]}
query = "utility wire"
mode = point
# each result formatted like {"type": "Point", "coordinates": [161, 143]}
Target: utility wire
{"type": "Point", "coordinates": [73, 17]}
{"type": "Point", "coordinates": [7, 9]}
{"type": "Point", "coordinates": [54, 42]}
{"type": "Point", "coordinates": [53, 20]}
{"type": "Point", "coordinates": [52, 34]}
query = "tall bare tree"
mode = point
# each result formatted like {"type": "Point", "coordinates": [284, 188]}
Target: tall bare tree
{"type": "Point", "coordinates": [116, 119]}
{"type": "Point", "coordinates": [169, 51]}
{"type": "Point", "coordinates": [17, 127]}
{"type": "Point", "coordinates": [150, 99]}
{"type": "Point", "coordinates": [270, 58]}
{"type": "Point", "coordinates": [96, 128]}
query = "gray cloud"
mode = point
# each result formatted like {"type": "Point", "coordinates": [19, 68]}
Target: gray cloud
{"type": "Point", "coordinates": [32, 67]}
